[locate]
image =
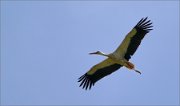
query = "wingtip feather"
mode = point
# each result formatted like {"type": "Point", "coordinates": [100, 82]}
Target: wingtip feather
{"type": "Point", "coordinates": [144, 25]}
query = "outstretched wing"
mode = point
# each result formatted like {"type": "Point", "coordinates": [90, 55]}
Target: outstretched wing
{"type": "Point", "coordinates": [97, 72]}
{"type": "Point", "coordinates": [133, 39]}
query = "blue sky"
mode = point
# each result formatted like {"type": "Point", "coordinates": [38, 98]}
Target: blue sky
{"type": "Point", "coordinates": [45, 46]}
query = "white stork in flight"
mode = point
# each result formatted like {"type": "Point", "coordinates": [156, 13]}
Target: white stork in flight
{"type": "Point", "coordinates": [120, 57]}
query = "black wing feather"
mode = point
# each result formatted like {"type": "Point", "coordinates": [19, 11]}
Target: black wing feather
{"type": "Point", "coordinates": [88, 80]}
{"type": "Point", "coordinates": [142, 28]}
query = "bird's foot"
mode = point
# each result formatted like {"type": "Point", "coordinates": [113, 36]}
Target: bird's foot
{"type": "Point", "coordinates": [137, 71]}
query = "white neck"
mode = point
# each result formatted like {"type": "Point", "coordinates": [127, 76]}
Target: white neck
{"type": "Point", "coordinates": [103, 54]}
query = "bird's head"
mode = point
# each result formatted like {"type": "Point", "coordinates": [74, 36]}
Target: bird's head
{"type": "Point", "coordinates": [97, 52]}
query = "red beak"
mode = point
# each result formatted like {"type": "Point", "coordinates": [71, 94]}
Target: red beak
{"type": "Point", "coordinates": [93, 53]}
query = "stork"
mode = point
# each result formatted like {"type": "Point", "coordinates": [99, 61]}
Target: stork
{"type": "Point", "coordinates": [120, 57]}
